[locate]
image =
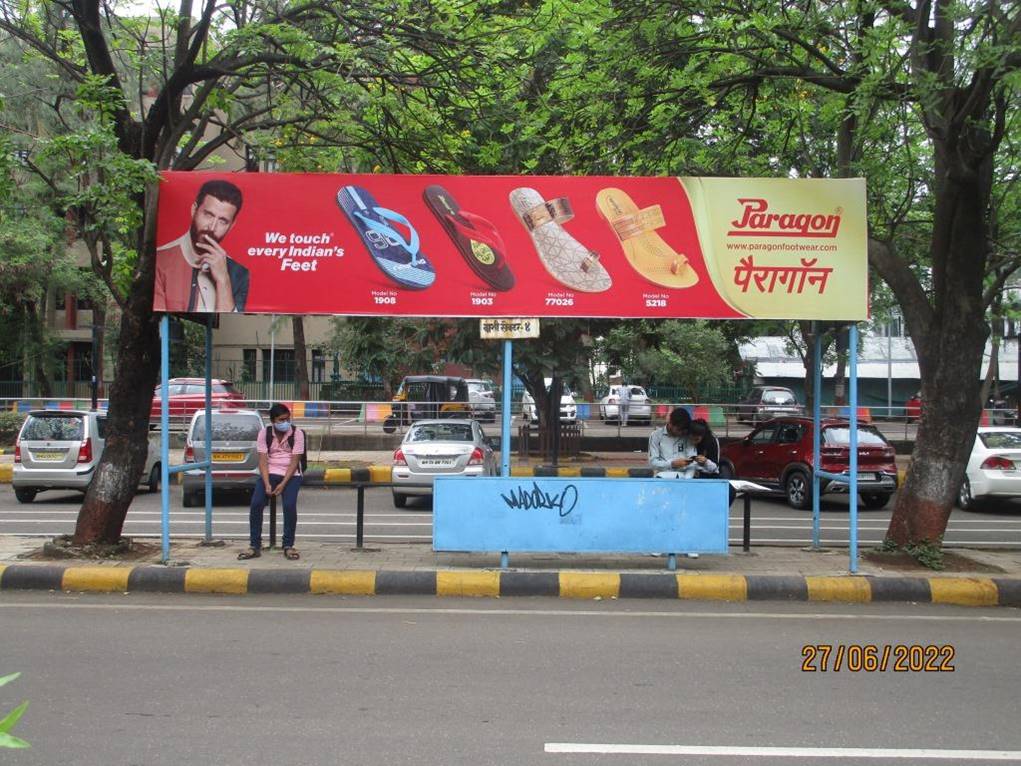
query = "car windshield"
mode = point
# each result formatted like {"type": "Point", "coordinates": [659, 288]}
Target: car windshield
{"type": "Point", "coordinates": [229, 428]}
{"type": "Point", "coordinates": [1001, 439]}
{"type": "Point", "coordinates": [867, 437]}
{"type": "Point", "coordinates": [54, 428]}
{"type": "Point", "coordinates": [637, 391]}
{"type": "Point", "coordinates": [441, 432]}
{"type": "Point", "coordinates": [223, 388]}
{"type": "Point", "coordinates": [779, 397]}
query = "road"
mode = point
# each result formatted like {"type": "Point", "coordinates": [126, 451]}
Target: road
{"type": "Point", "coordinates": [146, 680]}
{"type": "Point", "coordinates": [329, 514]}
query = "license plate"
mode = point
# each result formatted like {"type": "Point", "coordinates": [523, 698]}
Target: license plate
{"type": "Point", "coordinates": [866, 477]}
{"type": "Point", "coordinates": [436, 462]}
{"type": "Point", "coordinates": [48, 456]}
{"type": "Point", "coordinates": [228, 457]}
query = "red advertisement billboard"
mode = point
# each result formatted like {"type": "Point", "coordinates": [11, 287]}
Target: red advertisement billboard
{"type": "Point", "coordinates": [480, 246]}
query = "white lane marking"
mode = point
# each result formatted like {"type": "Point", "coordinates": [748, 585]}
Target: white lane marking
{"type": "Point", "coordinates": [221, 513]}
{"type": "Point", "coordinates": [872, 541]}
{"type": "Point", "coordinates": [198, 607]}
{"type": "Point", "coordinates": [225, 522]}
{"type": "Point", "coordinates": [787, 752]}
{"type": "Point", "coordinates": [739, 517]}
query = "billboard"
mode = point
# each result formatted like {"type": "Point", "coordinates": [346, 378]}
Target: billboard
{"type": "Point", "coordinates": [500, 246]}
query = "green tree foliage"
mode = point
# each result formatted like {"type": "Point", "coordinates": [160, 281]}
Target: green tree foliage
{"type": "Point", "coordinates": [918, 97]}
{"type": "Point", "coordinates": [180, 88]}
{"type": "Point", "coordinates": [689, 355]}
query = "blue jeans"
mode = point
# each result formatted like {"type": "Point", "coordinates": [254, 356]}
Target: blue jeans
{"type": "Point", "coordinates": [259, 500]}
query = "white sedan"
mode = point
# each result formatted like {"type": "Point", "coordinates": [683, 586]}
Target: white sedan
{"type": "Point", "coordinates": [638, 408]}
{"type": "Point", "coordinates": [446, 447]}
{"type": "Point", "coordinates": [568, 407]}
{"type": "Point", "coordinates": [994, 468]}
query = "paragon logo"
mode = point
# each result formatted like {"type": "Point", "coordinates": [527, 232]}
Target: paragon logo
{"type": "Point", "coordinates": [757, 222]}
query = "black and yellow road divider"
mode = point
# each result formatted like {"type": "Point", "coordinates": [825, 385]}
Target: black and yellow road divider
{"type": "Point", "coordinates": [960, 591]}
{"type": "Point", "coordinates": [381, 474]}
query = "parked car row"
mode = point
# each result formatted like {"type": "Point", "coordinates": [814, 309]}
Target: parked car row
{"type": "Point", "coordinates": [421, 396]}
{"type": "Point", "coordinates": [60, 449]}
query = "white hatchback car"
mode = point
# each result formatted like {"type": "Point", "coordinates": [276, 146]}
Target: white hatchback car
{"type": "Point", "coordinates": [638, 408]}
{"type": "Point", "coordinates": [431, 448]}
{"type": "Point", "coordinates": [994, 468]}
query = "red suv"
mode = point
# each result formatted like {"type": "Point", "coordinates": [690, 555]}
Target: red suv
{"type": "Point", "coordinates": [778, 455]}
{"type": "Point", "coordinates": [188, 395]}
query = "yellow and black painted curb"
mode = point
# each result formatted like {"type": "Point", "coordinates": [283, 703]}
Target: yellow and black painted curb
{"type": "Point", "coordinates": [959, 591]}
{"type": "Point", "coordinates": [381, 474]}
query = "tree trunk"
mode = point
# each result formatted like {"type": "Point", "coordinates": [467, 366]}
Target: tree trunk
{"type": "Point", "coordinates": [98, 365]}
{"type": "Point", "coordinates": [101, 518]}
{"type": "Point", "coordinates": [300, 360]}
{"type": "Point", "coordinates": [40, 353]}
{"type": "Point", "coordinates": [950, 341]}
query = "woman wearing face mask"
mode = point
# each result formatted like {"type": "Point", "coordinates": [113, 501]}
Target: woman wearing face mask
{"type": "Point", "coordinates": [280, 449]}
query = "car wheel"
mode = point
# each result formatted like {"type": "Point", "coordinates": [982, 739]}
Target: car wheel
{"type": "Point", "coordinates": [727, 471]}
{"type": "Point", "coordinates": [400, 501]}
{"type": "Point", "coordinates": [154, 476]}
{"type": "Point", "coordinates": [25, 494]}
{"type": "Point", "coordinates": [189, 499]}
{"type": "Point", "coordinates": [389, 425]}
{"type": "Point", "coordinates": [798, 490]}
{"type": "Point", "coordinates": [965, 500]}
{"type": "Point", "coordinates": [875, 501]}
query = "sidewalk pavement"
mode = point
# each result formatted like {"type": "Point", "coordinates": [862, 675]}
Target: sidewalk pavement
{"type": "Point", "coordinates": [766, 573]}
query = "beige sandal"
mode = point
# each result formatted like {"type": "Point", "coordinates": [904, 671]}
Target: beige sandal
{"type": "Point", "coordinates": [565, 258]}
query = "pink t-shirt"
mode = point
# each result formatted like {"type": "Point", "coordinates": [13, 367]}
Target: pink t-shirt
{"type": "Point", "coordinates": [279, 453]}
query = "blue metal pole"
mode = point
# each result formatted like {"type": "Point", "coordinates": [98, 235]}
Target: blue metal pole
{"type": "Point", "coordinates": [853, 489]}
{"type": "Point", "coordinates": [816, 436]}
{"type": "Point", "coordinates": [209, 430]}
{"type": "Point", "coordinates": [505, 416]}
{"type": "Point", "coordinates": [165, 437]}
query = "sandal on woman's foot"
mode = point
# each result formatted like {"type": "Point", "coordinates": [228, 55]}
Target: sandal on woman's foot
{"type": "Point", "coordinates": [248, 553]}
{"type": "Point", "coordinates": [290, 553]}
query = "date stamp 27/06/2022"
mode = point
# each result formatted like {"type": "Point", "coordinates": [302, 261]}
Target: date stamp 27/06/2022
{"type": "Point", "coordinates": [878, 658]}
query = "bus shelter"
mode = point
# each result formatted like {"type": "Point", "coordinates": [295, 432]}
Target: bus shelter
{"type": "Point", "coordinates": [512, 247]}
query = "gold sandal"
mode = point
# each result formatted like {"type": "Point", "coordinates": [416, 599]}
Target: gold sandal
{"type": "Point", "coordinates": [645, 250]}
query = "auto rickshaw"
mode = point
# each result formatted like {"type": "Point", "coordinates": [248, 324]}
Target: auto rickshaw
{"type": "Point", "coordinates": [428, 396]}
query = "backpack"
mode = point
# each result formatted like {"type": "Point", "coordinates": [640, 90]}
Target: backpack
{"type": "Point", "coordinates": [303, 457]}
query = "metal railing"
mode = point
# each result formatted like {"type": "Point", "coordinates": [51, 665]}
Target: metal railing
{"type": "Point", "coordinates": [727, 420]}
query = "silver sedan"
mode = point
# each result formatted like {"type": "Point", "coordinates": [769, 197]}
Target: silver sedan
{"type": "Point", "coordinates": [444, 447]}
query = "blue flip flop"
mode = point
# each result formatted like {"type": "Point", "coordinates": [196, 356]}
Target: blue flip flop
{"type": "Point", "coordinates": [397, 257]}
